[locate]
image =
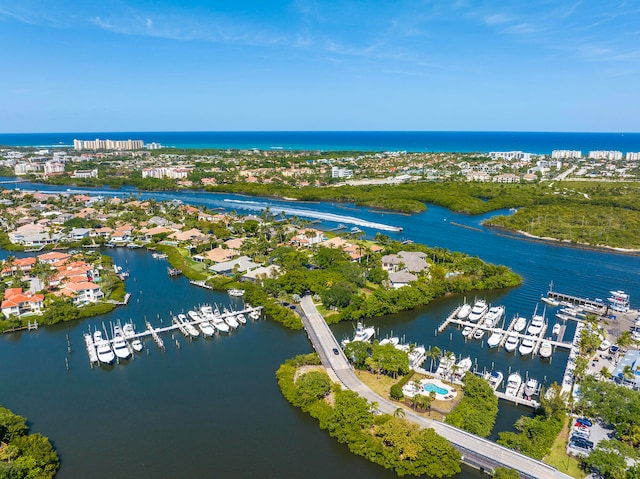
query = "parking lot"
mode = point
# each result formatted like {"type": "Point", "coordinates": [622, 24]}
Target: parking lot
{"type": "Point", "coordinates": [597, 433]}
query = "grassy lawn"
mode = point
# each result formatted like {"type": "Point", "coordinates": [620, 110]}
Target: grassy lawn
{"type": "Point", "coordinates": [558, 457]}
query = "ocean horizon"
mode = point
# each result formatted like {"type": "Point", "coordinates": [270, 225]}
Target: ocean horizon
{"type": "Point", "coordinates": [374, 141]}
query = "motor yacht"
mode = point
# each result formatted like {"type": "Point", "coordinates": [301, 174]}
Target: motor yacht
{"type": "Point", "coordinates": [512, 343]}
{"type": "Point", "coordinates": [463, 366]}
{"type": "Point", "coordinates": [514, 381]}
{"type": "Point", "coordinates": [464, 311]}
{"type": "Point", "coordinates": [493, 316]}
{"type": "Point", "coordinates": [467, 331]}
{"type": "Point", "coordinates": [495, 379]}
{"type": "Point", "coordinates": [120, 346]}
{"type": "Point", "coordinates": [545, 349]}
{"type": "Point", "coordinates": [494, 339]}
{"type": "Point", "coordinates": [530, 388]}
{"type": "Point", "coordinates": [446, 363]}
{"type": "Point", "coordinates": [103, 348]}
{"type": "Point", "coordinates": [520, 324]}
{"type": "Point", "coordinates": [478, 311]}
{"type": "Point", "coordinates": [527, 345]}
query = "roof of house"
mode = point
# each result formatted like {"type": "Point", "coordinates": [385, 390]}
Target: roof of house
{"type": "Point", "coordinates": [219, 255]}
{"type": "Point", "coordinates": [240, 264]}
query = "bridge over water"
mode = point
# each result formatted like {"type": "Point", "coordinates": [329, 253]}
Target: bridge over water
{"type": "Point", "coordinates": [476, 451]}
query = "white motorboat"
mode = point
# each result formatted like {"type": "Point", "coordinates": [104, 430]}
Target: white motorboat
{"type": "Point", "coordinates": [495, 379]}
{"type": "Point", "coordinates": [512, 343]}
{"type": "Point", "coordinates": [231, 320]}
{"type": "Point", "coordinates": [129, 332]}
{"type": "Point", "coordinates": [236, 292]}
{"type": "Point", "coordinates": [207, 311]}
{"type": "Point", "coordinates": [103, 348]}
{"type": "Point", "coordinates": [478, 334]}
{"type": "Point", "coordinates": [362, 333]}
{"type": "Point", "coordinates": [463, 366]}
{"type": "Point", "coordinates": [417, 356]}
{"type": "Point", "coordinates": [493, 316]}
{"type": "Point", "coordinates": [203, 323]}
{"type": "Point", "coordinates": [464, 311]}
{"type": "Point", "coordinates": [494, 339]}
{"type": "Point", "coordinates": [556, 329]}
{"type": "Point", "coordinates": [446, 363]}
{"type": "Point", "coordinates": [478, 311]}
{"type": "Point", "coordinates": [619, 301]}
{"type": "Point", "coordinates": [527, 345]}
{"type": "Point", "coordinates": [120, 346]}
{"type": "Point", "coordinates": [604, 345]}
{"type": "Point", "coordinates": [467, 331]}
{"type": "Point", "coordinates": [536, 326]}
{"type": "Point", "coordinates": [220, 325]}
{"type": "Point", "coordinates": [255, 314]}
{"type": "Point", "coordinates": [550, 301]}
{"type": "Point", "coordinates": [188, 327]}
{"type": "Point", "coordinates": [530, 388]}
{"type": "Point", "coordinates": [545, 349]}
{"type": "Point", "coordinates": [520, 324]}
{"type": "Point", "coordinates": [514, 381]}
{"type": "Point", "coordinates": [241, 318]}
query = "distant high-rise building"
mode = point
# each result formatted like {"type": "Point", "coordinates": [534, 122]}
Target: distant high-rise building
{"type": "Point", "coordinates": [566, 154]}
{"type": "Point", "coordinates": [98, 144]}
{"type": "Point", "coordinates": [605, 155]}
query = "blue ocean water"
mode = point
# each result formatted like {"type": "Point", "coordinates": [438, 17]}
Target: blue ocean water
{"type": "Point", "coordinates": [415, 141]}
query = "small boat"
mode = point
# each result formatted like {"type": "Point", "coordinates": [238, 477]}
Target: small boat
{"type": "Point", "coordinates": [174, 271]}
{"type": "Point", "coordinates": [464, 311]}
{"type": "Point", "coordinates": [478, 334]}
{"type": "Point", "coordinates": [550, 301]}
{"type": "Point", "coordinates": [495, 379]}
{"type": "Point", "coordinates": [255, 314]}
{"type": "Point", "coordinates": [530, 388]}
{"type": "Point", "coordinates": [512, 343]}
{"type": "Point", "coordinates": [362, 333]}
{"type": "Point", "coordinates": [527, 345]}
{"type": "Point", "coordinates": [188, 327]}
{"type": "Point", "coordinates": [103, 348]}
{"type": "Point", "coordinates": [463, 366]}
{"type": "Point", "coordinates": [241, 318]}
{"type": "Point", "coordinates": [514, 381]}
{"type": "Point", "coordinates": [493, 316]}
{"type": "Point", "coordinates": [478, 311]}
{"type": "Point", "coordinates": [129, 333]}
{"type": "Point", "coordinates": [494, 339]}
{"type": "Point", "coordinates": [467, 331]}
{"type": "Point", "coordinates": [236, 292]}
{"type": "Point", "coordinates": [556, 329]}
{"type": "Point", "coordinates": [120, 346]}
{"type": "Point", "coordinates": [545, 349]}
{"type": "Point", "coordinates": [520, 324]}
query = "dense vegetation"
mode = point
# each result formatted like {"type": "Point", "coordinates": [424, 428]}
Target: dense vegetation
{"type": "Point", "coordinates": [477, 411]}
{"type": "Point", "coordinates": [536, 434]}
{"type": "Point", "coordinates": [25, 455]}
{"type": "Point", "coordinates": [384, 359]}
{"type": "Point", "coordinates": [390, 441]}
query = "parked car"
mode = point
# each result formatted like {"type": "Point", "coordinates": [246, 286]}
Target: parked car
{"type": "Point", "coordinates": [585, 421]}
{"type": "Point", "coordinates": [579, 440]}
{"type": "Point", "coordinates": [581, 433]}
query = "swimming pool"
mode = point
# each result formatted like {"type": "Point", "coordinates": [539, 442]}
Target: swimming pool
{"type": "Point", "coordinates": [432, 388]}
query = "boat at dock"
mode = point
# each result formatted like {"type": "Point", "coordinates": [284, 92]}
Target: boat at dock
{"type": "Point", "coordinates": [556, 329]}
{"type": "Point", "coordinates": [462, 366]}
{"type": "Point", "coordinates": [188, 327]}
{"type": "Point", "coordinates": [129, 334]}
{"type": "Point", "coordinates": [103, 348]}
{"type": "Point", "coordinates": [478, 311]}
{"type": "Point", "coordinates": [530, 388]}
{"type": "Point", "coordinates": [520, 324]}
{"type": "Point", "coordinates": [619, 301]}
{"type": "Point", "coordinates": [478, 334]}
{"type": "Point", "coordinates": [174, 271]}
{"type": "Point", "coordinates": [203, 323]}
{"type": "Point", "coordinates": [362, 334]}
{"type": "Point", "coordinates": [446, 363]}
{"type": "Point", "coordinates": [465, 309]}
{"type": "Point", "coordinates": [550, 301]}
{"type": "Point", "coordinates": [467, 331]}
{"type": "Point", "coordinates": [514, 381]}
{"type": "Point", "coordinates": [494, 339]}
{"type": "Point", "coordinates": [230, 319]}
{"type": "Point", "coordinates": [241, 318]}
{"type": "Point", "coordinates": [120, 346]}
{"type": "Point", "coordinates": [527, 345]}
{"type": "Point", "coordinates": [255, 314]}
{"type": "Point", "coordinates": [537, 322]}
{"type": "Point", "coordinates": [495, 379]}
{"type": "Point", "coordinates": [545, 349]}
{"type": "Point", "coordinates": [512, 343]}
{"type": "Point", "coordinates": [493, 316]}
{"type": "Point", "coordinates": [236, 292]}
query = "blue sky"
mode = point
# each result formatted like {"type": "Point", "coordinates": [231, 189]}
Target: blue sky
{"type": "Point", "coordinates": [113, 65]}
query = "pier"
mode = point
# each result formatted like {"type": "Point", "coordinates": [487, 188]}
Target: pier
{"type": "Point", "coordinates": [598, 306]}
{"type": "Point", "coordinates": [200, 283]}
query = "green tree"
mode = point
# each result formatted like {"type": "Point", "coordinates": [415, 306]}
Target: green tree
{"type": "Point", "coordinates": [313, 385]}
{"type": "Point", "coordinates": [505, 473]}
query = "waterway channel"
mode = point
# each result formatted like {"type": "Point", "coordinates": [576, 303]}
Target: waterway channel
{"type": "Point", "coordinates": [212, 407]}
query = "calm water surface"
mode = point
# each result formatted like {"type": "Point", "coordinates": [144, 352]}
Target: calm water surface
{"type": "Point", "coordinates": [212, 407]}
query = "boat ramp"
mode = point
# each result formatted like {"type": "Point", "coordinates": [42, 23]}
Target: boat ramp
{"type": "Point", "coordinates": [155, 333]}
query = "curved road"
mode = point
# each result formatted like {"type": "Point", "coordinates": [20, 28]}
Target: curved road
{"type": "Point", "coordinates": [476, 451]}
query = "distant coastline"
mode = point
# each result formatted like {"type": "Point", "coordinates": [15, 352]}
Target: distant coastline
{"type": "Point", "coordinates": [412, 141]}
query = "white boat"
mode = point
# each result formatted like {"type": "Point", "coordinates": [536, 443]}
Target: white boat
{"type": "Point", "coordinates": [478, 311]}
{"type": "Point", "coordinates": [619, 301]}
{"type": "Point", "coordinates": [103, 348]}
{"type": "Point", "coordinates": [545, 349]}
{"type": "Point", "coordinates": [520, 324]}
{"type": "Point", "coordinates": [120, 346]}
{"type": "Point", "coordinates": [241, 318]}
{"type": "Point", "coordinates": [129, 332]}
{"type": "Point", "coordinates": [188, 327]}
{"type": "Point", "coordinates": [495, 379]}
{"type": "Point", "coordinates": [255, 314]}
{"type": "Point", "coordinates": [220, 325]}
{"type": "Point", "coordinates": [514, 381]}
{"type": "Point", "coordinates": [463, 366]}
{"type": "Point", "coordinates": [446, 363]}
{"type": "Point", "coordinates": [236, 292]}
{"type": "Point", "coordinates": [512, 343]}
{"type": "Point", "coordinates": [362, 333]}
{"type": "Point", "coordinates": [494, 339]}
{"type": "Point", "coordinates": [604, 345]}
{"type": "Point", "coordinates": [537, 322]}
{"type": "Point", "coordinates": [550, 301]}
{"type": "Point", "coordinates": [467, 331]}
{"type": "Point", "coordinates": [203, 323]}
{"type": "Point", "coordinates": [530, 388]}
{"type": "Point", "coordinates": [231, 320]}
{"type": "Point", "coordinates": [417, 356]}
{"type": "Point", "coordinates": [464, 311]}
{"type": "Point", "coordinates": [478, 334]}
{"type": "Point", "coordinates": [527, 345]}
{"type": "Point", "coordinates": [493, 316]}
{"type": "Point", "coordinates": [556, 329]}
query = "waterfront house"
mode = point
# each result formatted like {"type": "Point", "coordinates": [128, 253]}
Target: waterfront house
{"type": "Point", "coordinates": [263, 272]}
{"type": "Point", "coordinates": [18, 303]}
{"type": "Point", "coordinates": [410, 261]}
{"type": "Point", "coordinates": [400, 279]}
{"type": "Point", "coordinates": [83, 292]}
{"type": "Point", "coordinates": [53, 257]}
{"type": "Point", "coordinates": [308, 237]}
{"type": "Point", "coordinates": [237, 265]}
{"type": "Point", "coordinates": [18, 264]}
{"type": "Point", "coordinates": [220, 255]}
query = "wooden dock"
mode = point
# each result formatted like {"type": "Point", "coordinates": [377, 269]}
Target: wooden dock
{"type": "Point", "coordinates": [202, 284]}
{"type": "Point", "coordinates": [598, 306]}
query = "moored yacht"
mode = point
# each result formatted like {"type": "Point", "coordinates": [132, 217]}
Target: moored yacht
{"type": "Point", "coordinates": [494, 339]}
{"type": "Point", "coordinates": [255, 314]}
{"type": "Point", "coordinates": [120, 346]}
{"type": "Point", "coordinates": [463, 366]}
{"type": "Point", "coordinates": [362, 333]}
{"type": "Point", "coordinates": [512, 343]}
{"type": "Point", "coordinates": [231, 320]}
{"type": "Point", "coordinates": [203, 323]}
{"type": "Point", "coordinates": [520, 324]}
{"type": "Point", "coordinates": [545, 349]}
{"type": "Point", "coordinates": [236, 292]}
{"type": "Point", "coordinates": [527, 345]}
{"type": "Point", "coordinates": [467, 331]}
{"type": "Point", "coordinates": [493, 316]}
{"type": "Point", "coordinates": [495, 379]}
{"type": "Point", "coordinates": [514, 381]}
{"type": "Point", "coordinates": [530, 388]}
{"type": "Point", "coordinates": [188, 327]}
{"type": "Point", "coordinates": [556, 329]}
{"type": "Point", "coordinates": [478, 334]}
{"type": "Point", "coordinates": [103, 348]}
{"type": "Point", "coordinates": [129, 332]}
{"type": "Point", "coordinates": [537, 322]}
{"type": "Point", "coordinates": [241, 318]}
{"type": "Point", "coordinates": [478, 311]}
{"type": "Point", "coordinates": [446, 363]}
{"type": "Point", "coordinates": [464, 311]}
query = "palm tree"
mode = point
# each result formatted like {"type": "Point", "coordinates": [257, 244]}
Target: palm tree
{"type": "Point", "coordinates": [625, 340]}
{"type": "Point", "coordinates": [399, 413]}
{"type": "Point", "coordinates": [435, 353]}
{"type": "Point", "coordinates": [628, 372]}
{"type": "Point", "coordinates": [373, 406]}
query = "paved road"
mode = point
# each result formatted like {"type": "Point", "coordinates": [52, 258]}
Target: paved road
{"type": "Point", "coordinates": [476, 451]}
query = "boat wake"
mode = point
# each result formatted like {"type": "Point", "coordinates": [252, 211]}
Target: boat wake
{"type": "Point", "coordinates": [258, 206]}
